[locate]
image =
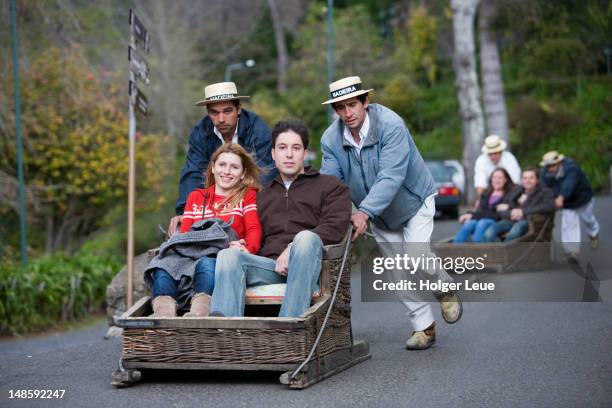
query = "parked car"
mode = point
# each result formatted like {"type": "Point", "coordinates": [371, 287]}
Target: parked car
{"type": "Point", "coordinates": [458, 173]}
{"type": "Point", "coordinates": [449, 193]}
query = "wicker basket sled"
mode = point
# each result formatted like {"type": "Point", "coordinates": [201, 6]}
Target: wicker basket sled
{"type": "Point", "coordinates": [529, 252]}
{"type": "Point", "coordinates": [254, 342]}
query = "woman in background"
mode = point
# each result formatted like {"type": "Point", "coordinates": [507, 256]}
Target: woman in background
{"type": "Point", "coordinates": [493, 199]}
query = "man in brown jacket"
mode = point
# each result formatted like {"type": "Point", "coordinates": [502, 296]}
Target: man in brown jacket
{"type": "Point", "coordinates": [300, 212]}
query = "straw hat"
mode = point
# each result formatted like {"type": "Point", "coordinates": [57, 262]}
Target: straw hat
{"type": "Point", "coordinates": [220, 92]}
{"type": "Point", "coordinates": [493, 144]}
{"type": "Point", "coordinates": [345, 88]}
{"type": "Point", "coordinates": [550, 158]}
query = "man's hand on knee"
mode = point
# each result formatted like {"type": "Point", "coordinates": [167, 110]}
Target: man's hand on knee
{"type": "Point", "coordinates": [282, 262]}
{"type": "Point", "coordinates": [174, 224]}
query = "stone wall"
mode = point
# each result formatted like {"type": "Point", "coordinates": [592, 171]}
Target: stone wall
{"type": "Point", "coordinates": [116, 290]}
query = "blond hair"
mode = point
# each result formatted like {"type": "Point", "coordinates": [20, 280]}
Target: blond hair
{"type": "Point", "coordinates": [250, 173]}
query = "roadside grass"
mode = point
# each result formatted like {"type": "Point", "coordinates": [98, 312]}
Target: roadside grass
{"type": "Point", "coordinates": [52, 290]}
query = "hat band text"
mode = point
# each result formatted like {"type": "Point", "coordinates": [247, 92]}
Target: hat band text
{"type": "Point", "coordinates": [224, 96]}
{"type": "Point", "coordinates": [346, 90]}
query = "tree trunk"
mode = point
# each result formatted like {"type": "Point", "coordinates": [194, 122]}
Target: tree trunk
{"type": "Point", "coordinates": [282, 60]}
{"type": "Point", "coordinates": [490, 70]}
{"type": "Point", "coordinates": [468, 91]}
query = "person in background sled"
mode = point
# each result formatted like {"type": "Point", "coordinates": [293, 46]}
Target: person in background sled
{"type": "Point", "coordinates": [529, 199]}
{"type": "Point", "coordinates": [493, 200]}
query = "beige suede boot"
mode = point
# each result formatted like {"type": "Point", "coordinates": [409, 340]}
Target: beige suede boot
{"type": "Point", "coordinates": [200, 305]}
{"type": "Point", "coordinates": [421, 340]}
{"type": "Point", "coordinates": [164, 306]}
{"type": "Point", "coordinates": [450, 306]}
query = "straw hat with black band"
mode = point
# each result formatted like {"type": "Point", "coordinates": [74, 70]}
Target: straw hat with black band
{"type": "Point", "coordinates": [345, 88]}
{"type": "Point", "coordinates": [220, 92]}
{"type": "Point", "coordinates": [551, 158]}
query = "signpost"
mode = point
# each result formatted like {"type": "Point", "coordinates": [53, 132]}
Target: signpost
{"type": "Point", "coordinates": [139, 65]}
{"type": "Point", "coordinates": [139, 70]}
{"type": "Point", "coordinates": [23, 242]}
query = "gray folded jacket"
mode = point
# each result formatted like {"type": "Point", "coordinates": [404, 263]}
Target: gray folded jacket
{"type": "Point", "coordinates": [180, 253]}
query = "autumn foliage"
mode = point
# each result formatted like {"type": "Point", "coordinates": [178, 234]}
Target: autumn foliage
{"type": "Point", "coordinates": [76, 146]}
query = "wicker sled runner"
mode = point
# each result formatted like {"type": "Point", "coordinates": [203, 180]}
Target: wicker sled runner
{"type": "Point", "coordinates": [254, 342]}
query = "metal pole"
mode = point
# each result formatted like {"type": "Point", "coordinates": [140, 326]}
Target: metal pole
{"type": "Point", "coordinates": [131, 189]}
{"type": "Point", "coordinates": [20, 176]}
{"type": "Point", "coordinates": [229, 68]}
{"type": "Point", "coordinates": [239, 65]}
{"type": "Point", "coordinates": [330, 52]}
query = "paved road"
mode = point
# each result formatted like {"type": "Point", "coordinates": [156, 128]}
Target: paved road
{"type": "Point", "coordinates": [500, 354]}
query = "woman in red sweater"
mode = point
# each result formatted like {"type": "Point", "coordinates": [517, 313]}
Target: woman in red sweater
{"type": "Point", "coordinates": [232, 182]}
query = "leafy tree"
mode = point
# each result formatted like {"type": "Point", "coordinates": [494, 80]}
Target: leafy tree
{"type": "Point", "coordinates": [416, 48]}
{"type": "Point", "coordinates": [76, 147]}
{"type": "Point", "coordinates": [401, 95]}
{"type": "Point", "coordinates": [358, 50]}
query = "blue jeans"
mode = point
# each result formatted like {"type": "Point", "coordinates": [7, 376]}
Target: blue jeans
{"type": "Point", "coordinates": [514, 230]}
{"type": "Point", "coordinates": [495, 230]}
{"type": "Point", "coordinates": [203, 279]}
{"type": "Point", "coordinates": [518, 230]}
{"type": "Point", "coordinates": [236, 270]}
{"type": "Point", "coordinates": [476, 228]}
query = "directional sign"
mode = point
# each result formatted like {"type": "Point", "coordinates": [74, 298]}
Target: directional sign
{"type": "Point", "coordinates": [141, 34]}
{"type": "Point", "coordinates": [139, 65]}
{"type": "Point", "coordinates": [138, 99]}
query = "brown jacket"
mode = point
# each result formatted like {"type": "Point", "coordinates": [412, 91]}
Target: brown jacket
{"type": "Point", "coordinates": [314, 202]}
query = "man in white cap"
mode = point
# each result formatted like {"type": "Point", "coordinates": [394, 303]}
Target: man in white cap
{"type": "Point", "coordinates": [369, 147]}
{"type": "Point", "coordinates": [574, 196]}
{"type": "Point", "coordinates": [494, 154]}
{"type": "Point", "coordinates": [226, 122]}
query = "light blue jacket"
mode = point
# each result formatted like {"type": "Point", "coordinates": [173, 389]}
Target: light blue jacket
{"type": "Point", "coordinates": [390, 180]}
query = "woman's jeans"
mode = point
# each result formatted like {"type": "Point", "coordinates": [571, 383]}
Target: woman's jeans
{"type": "Point", "coordinates": [476, 228]}
{"type": "Point", "coordinates": [514, 230]}
{"type": "Point", "coordinates": [203, 279]}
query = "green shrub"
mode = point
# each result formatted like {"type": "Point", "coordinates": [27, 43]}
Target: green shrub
{"type": "Point", "coordinates": [576, 127]}
{"type": "Point", "coordinates": [537, 121]}
{"type": "Point", "coordinates": [442, 143]}
{"type": "Point", "coordinates": [400, 94]}
{"type": "Point", "coordinates": [558, 57]}
{"type": "Point", "coordinates": [52, 289]}
{"type": "Point", "coordinates": [580, 143]}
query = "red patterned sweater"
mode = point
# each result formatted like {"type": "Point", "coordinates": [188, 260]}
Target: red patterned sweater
{"type": "Point", "coordinates": [246, 221]}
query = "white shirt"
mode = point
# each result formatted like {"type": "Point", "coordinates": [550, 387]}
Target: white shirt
{"type": "Point", "coordinates": [484, 167]}
{"type": "Point", "coordinates": [363, 133]}
{"type": "Point", "coordinates": [220, 136]}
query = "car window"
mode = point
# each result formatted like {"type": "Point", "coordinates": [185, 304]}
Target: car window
{"type": "Point", "coordinates": [440, 172]}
